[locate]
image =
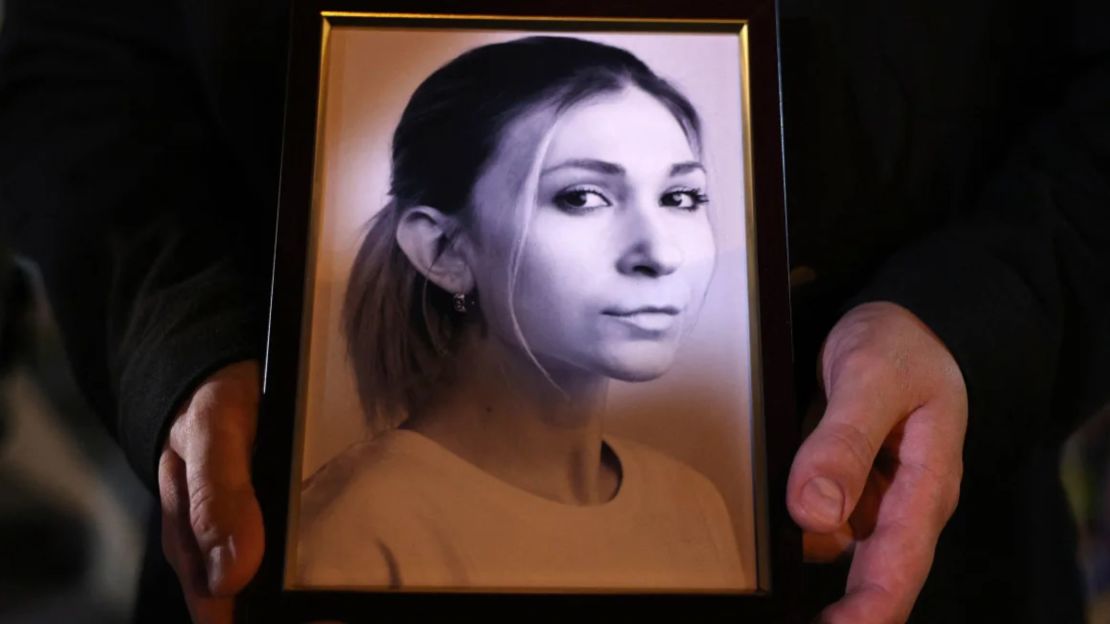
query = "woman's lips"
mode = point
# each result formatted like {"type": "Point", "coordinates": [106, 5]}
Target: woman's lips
{"type": "Point", "coordinates": [650, 319]}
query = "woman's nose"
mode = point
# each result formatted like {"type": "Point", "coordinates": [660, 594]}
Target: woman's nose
{"type": "Point", "coordinates": [650, 248]}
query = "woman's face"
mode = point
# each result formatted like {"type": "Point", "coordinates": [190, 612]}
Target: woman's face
{"type": "Point", "coordinates": [619, 251]}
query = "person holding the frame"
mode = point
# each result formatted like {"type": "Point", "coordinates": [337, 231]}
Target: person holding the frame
{"type": "Point", "coordinates": [545, 234]}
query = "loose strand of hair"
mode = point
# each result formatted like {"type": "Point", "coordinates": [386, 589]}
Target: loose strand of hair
{"type": "Point", "coordinates": [528, 197]}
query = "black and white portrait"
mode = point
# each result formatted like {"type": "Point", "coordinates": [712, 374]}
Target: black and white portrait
{"type": "Point", "coordinates": [527, 360]}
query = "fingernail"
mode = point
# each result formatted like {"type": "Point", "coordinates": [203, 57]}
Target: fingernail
{"type": "Point", "coordinates": [823, 500]}
{"type": "Point", "coordinates": [219, 559]}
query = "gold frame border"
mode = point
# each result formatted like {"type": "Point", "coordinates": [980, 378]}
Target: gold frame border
{"type": "Point", "coordinates": [292, 517]}
{"type": "Point", "coordinates": [757, 430]}
{"type": "Point", "coordinates": [529, 18]}
{"type": "Point", "coordinates": [757, 433]}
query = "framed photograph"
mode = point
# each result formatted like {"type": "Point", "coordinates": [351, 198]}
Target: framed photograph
{"type": "Point", "coordinates": [529, 342]}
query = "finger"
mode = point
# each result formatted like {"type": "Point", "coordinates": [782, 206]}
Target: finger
{"type": "Point", "coordinates": [224, 515]}
{"type": "Point", "coordinates": [888, 568]}
{"type": "Point", "coordinates": [180, 546]}
{"type": "Point", "coordinates": [891, 564]}
{"type": "Point", "coordinates": [831, 468]}
{"type": "Point", "coordinates": [826, 547]}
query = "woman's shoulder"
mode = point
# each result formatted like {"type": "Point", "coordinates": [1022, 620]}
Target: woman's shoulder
{"type": "Point", "coordinates": [367, 472]}
{"type": "Point", "coordinates": [353, 509]}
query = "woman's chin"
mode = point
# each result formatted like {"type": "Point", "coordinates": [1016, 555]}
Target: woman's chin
{"type": "Point", "coordinates": [639, 364]}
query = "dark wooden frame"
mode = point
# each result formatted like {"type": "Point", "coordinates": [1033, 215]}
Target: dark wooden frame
{"type": "Point", "coordinates": [266, 600]}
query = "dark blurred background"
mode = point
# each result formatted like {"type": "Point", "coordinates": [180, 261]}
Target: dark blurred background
{"type": "Point", "coordinates": [72, 515]}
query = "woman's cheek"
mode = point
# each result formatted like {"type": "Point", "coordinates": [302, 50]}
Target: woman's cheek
{"type": "Point", "coordinates": [562, 246]}
{"type": "Point", "coordinates": [700, 253]}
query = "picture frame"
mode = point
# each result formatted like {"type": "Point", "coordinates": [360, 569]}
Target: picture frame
{"type": "Point", "coordinates": [356, 70]}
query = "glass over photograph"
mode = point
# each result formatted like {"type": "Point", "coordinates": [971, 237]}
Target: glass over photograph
{"type": "Point", "coordinates": [527, 352]}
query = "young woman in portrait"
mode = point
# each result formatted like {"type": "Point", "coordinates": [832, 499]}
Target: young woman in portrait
{"type": "Point", "coordinates": [547, 232]}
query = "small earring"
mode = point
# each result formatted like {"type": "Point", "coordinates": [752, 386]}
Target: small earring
{"type": "Point", "coordinates": [460, 303]}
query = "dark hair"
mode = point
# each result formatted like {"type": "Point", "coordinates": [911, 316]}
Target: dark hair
{"type": "Point", "coordinates": [399, 327]}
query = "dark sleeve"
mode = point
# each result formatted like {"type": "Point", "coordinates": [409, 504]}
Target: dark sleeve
{"type": "Point", "coordinates": [1019, 289]}
{"type": "Point", "coordinates": [115, 181]}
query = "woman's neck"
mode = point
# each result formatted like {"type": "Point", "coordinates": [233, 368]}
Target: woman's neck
{"type": "Point", "coordinates": [502, 414]}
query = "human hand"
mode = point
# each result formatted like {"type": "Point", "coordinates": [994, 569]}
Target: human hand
{"type": "Point", "coordinates": [211, 522]}
{"type": "Point", "coordinates": [881, 472]}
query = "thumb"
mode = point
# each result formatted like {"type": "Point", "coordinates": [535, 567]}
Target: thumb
{"type": "Point", "coordinates": [832, 466]}
{"type": "Point", "coordinates": [215, 440]}
{"type": "Point", "coordinates": [223, 513]}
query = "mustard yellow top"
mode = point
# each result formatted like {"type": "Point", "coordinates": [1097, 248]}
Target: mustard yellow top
{"type": "Point", "coordinates": [402, 511]}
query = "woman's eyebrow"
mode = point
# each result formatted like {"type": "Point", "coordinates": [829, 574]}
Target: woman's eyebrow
{"type": "Point", "coordinates": [613, 169]}
{"type": "Point", "coordinates": [686, 167]}
{"type": "Point", "coordinates": [591, 164]}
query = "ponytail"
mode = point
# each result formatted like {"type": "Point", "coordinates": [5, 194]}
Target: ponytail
{"type": "Point", "coordinates": [400, 328]}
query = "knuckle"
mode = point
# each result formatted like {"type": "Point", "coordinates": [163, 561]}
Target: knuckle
{"type": "Point", "coordinates": [859, 358]}
{"type": "Point", "coordinates": [215, 507]}
{"type": "Point", "coordinates": [868, 366]}
{"type": "Point", "coordinates": [204, 512]}
{"type": "Point", "coordinates": [851, 442]}
{"type": "Point", "coordinates": [943, 489]}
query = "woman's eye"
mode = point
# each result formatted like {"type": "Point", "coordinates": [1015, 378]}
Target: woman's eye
{"type": "Point", "coordinates": [684, 199]}
{"type": "Point", "coordinates": [581, 200]}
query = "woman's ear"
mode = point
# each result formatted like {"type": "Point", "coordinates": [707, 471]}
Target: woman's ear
{"type": "Point", "coordinates": [431, 241]}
